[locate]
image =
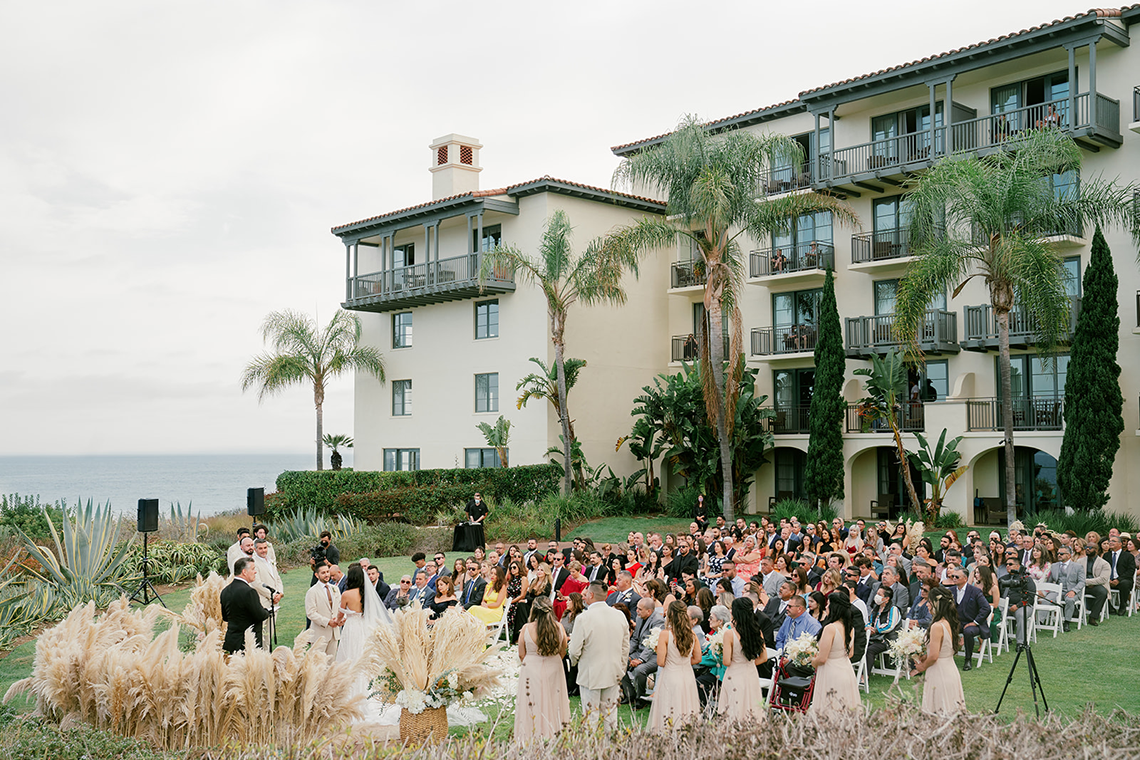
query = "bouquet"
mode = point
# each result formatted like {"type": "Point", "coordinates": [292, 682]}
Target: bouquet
{"type": "Point", "coordinates": [716, 645]}
{"type": "Point", "coordinates": [802, 651]}
{"type": "Point", "coordinates": [910, 643]}
{"type": "Point", "coordinates": [651, 639]}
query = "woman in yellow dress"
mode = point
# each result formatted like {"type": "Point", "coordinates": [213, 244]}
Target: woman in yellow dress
{"type": "Point", "coordinates": [493, 597]}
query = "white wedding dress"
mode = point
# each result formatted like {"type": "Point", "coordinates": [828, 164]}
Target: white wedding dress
{"type": "Point", "coordinates": [358, 626]}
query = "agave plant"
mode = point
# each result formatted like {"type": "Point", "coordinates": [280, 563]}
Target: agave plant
{"type": "Point", "coordinates": [308, 523]}
{"type": "Point", "coordinates": [185, 527]}
{"type": "Point", "coordinates": [87, 558]}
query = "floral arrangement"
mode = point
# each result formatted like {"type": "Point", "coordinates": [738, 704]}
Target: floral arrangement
{"type": "Point", "coordinates": [716, 645]}
{"type": "Point", "coordinates": [651, 639]}
{"type": "Point", "coordinates": [801, 651]}
{"type": "Point", "coordinates": [911, 642]}
{"type": "Point", "coordinates": [420, 668]}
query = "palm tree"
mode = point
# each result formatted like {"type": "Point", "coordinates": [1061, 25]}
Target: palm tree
{"type": "Point", "coordinates": [334, 442]}
{"type": "Point", "coordinates": [305, 354]}
{"type": "Point", "coordinates": [886, 386]}
{"type": "Point", "coordinates": [987, 216]}
{"type": "Point", "coordinates": [711, 182]}
{"type": "Point", "coordinates": [565, 278]}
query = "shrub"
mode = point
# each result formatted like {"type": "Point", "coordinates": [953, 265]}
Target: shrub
{"type": "Point", "coordinates": [946, 520]}
{"type": "Point", "coordinates": [40, 738]}
{"type": "Point", "coordinates": [387, 540]}
{"type": "Point", "coordinates": [789, 508]}
{"type": "Point", "coordinates": [414, 504]}
{"type": "Point", "coordinates": [682, 501]}
{"type": "Point", "coordinates": [1082, 522]}
{"type": "Point", "coordinates": [172, 561]}
{"type": "Point", "coordinates": [27, 514]}
{"type": "Point", "coordinates": [320, 489]}
{"type": "Point", "coordinates": [512, 522]}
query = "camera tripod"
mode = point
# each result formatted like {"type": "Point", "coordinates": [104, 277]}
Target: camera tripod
{"type": "Point", "coordinates": [146, 588]}
{"type": "Point", "coordinates": [1023, 646]}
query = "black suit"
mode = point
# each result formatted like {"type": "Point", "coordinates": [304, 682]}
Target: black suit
{"type": "Point", "coordinates": [686, 564]}
{"type": "Point", "coordinates": [769, 629]}
{"type": "Point", "coordinates": [558, 577]}
{"type": "Point", "coordinates": [773, 611]}
{"type": "Point", "coordinates": [471, 595]}
{"type": "Point", "coordinates": [1126, 575]}
{"type": "Point", "coordinates": [595, 573]}
{"type": "Point", "coordinates": [241, 609]}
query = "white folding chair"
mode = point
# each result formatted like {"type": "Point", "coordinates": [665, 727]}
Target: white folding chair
{"type": "Point", "coordinates": [766, 683]}
{"type": "Point", "coordinates": [1103, 608]}
{"type": "Point", "coordinates": [861, 676]}
{"type": "Point", "coordinates": [1079, 612]}
{"type": "Point", "coordinates": [494, 630]}
{"type": "Point", "coordinates": [1046, 614]}
{"type": "Point", "coordinates": [1003, 633]}
{"type": "Point", "coordinates": [882, 667]}
{"type": "Point", "coordinates": [1010, 627]}
{"type": "Point", "coordinates": [1114, 599]}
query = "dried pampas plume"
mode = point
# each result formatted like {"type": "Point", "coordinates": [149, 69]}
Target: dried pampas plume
{"type": "Point", "coordinates": [112, 672]}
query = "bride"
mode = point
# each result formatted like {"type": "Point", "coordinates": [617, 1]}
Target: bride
{"type": "Point", "coordinates": [361, 611]}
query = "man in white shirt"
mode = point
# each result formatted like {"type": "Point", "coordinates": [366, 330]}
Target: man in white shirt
{"type": "Point", "coordinates": [234, 553]}
{"type": "Point", "coordinates": [271, 588]}
{"type": "Point", "coordinates": [599, 646]}
{"type": "Point", "coordinates": [728, 571]}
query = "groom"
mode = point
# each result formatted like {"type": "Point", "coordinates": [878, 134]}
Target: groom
{"type": "Point", "coordinates": [599, 646]}
{"type": "Point", "coordinates": [322, 605]}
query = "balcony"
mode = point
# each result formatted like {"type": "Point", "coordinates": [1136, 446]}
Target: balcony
{"type": "Point", "coordinates": [982, 331]}
{"type": "Point", "coordinates": [684, 348]}
{"type": "Point", "coordinates": [1096, 121]}
{"type": "Point", "coordinates": [911, 418]}
{"type": "Point", "coordinates": [806, 260]}
{"type": "Point", "coordinates": [687, 274]}
{"type": "Point", "coordinates": [880, 246]}
{"type": "Point", "coordinates": [785, 179]}
{"type": "Point", "coordinates": [785, 340]}
{"type": "Point", "coordinates": [1038, 413]}
{"type": "Point", "coordinates": [436, 281]}
{"type": "Point", "coordinates": [870, 336]}
{"type": "Point", "coordinates": [789, 419]}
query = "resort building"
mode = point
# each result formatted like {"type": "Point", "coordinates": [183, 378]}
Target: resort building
{"type": "Point", "coordinates": [862, 139]}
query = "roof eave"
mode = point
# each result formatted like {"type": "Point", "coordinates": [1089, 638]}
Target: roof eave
{"type": "Point", "coordinates": [721, 125]}
{"type": "Point", "coordinates": [537, 186]}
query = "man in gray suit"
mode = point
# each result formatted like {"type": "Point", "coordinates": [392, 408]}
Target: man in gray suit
{"type": "Point", "coordinates": [642, 658]}
{"type": "Point", "coordinates": [890, 579]}
{"type": "Point", "coordinates": [1071, 577]}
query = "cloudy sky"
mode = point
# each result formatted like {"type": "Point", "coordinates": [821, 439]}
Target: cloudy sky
{"type": "Point", "coordinates": [169, 171]}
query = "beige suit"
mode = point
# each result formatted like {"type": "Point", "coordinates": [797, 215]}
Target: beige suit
{"type": "Point", "coordinates": [599, 646]}
{"type": "Point", "coordinates": [267, 578]}
{"type": "Point", "coordinates": [320, 612]}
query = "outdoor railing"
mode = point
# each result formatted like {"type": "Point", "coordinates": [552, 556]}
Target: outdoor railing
{"type": "Point", "coordinates": [938, 328]}
{"type": "Point", "coordinates": [981, 324]}
{"type": "Point", "coordinates": [890, 155]}
{"type": "Point", "coordinates": [911, 418]}
{"type": "Point", "coordinates": [784, 179]}
{"type": "Point", "coordinates": [788, 419]}
{"type": "Point", "coordinates": [1136, 103]}
{"type": "Point", "coordinates": [686, 274]}
{"type": "Point", "coordinates": [786, 339]}
{"type": "Point", "coordinates": [685, 348]}
{"type": "Point", "coordinates": [1038, 413]}
{"type": "Point", "coordinates": [455, 273]}
{"type": "Point", "coordinates": [791, 258]}
{"type": "Point", "coordinates": [880, 245]}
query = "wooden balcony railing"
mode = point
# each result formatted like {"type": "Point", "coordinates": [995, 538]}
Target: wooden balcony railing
{"type": "Point", "coordinates": [981, 329]}
{"type": "Point", "coordinates": [938, 333]}
{"type": "Point", "coordinates": [881, 245]}
{"type": "Point", "coordinates": [791, 258]}
{"type": "Point", "coordinates": [785, 179]}
{"type": "Point", "coordinates": [1038, 413]}
{"type": "Point", "coordinates": [430, 282]}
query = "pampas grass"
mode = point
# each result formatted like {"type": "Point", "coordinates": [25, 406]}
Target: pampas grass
{"type": "Point", "coordinates": [112, 672]}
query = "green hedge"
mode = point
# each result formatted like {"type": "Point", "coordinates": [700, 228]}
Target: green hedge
{"type": "Point", "coordinates": [416, 496]}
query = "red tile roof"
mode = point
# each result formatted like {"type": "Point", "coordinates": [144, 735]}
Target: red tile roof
{"type": "Point", "coordinates": [509, 190]}
{"type": "Point", "coordinates": [1097, 12]}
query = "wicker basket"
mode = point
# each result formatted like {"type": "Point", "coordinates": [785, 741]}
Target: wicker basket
{"type": "Point", "coordinates": [429, 726]}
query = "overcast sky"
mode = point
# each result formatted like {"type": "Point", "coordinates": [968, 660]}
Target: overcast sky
{"type": "Point", "coordinates": [169, 171]}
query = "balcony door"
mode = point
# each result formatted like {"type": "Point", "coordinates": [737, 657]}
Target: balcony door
{"type": "Point", "coordinates": [797, 242]}
{"type": "Point", "coordinates": [795, 316]}
{"type": "Point", "coordinates": [790, 464]}
{"type": "Point", "coordinates": [1035, 479]}
{"type": "Point", "coordinates": [403, 257]}
{"type": "Point", "coordinates": [793, 389]}
{"type": "Point", "coordinates": [891, 480]}
{"type": "Point", "coordinates": [1009, 99]}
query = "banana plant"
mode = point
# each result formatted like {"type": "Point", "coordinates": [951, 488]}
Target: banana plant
{"type": "Point", "coordinates": [886, 388]}
{"type": "Point", "coordinates": [498, 437]}
{"type": "Point", "coordinates": [938, 467]}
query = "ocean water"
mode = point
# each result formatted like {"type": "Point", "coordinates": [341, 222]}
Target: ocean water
{"type": "Point", "coordinates": [211, 483]}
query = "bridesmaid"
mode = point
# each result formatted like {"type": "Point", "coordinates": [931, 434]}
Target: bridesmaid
{"type": "Point", "coordinates": [835, 685]}
{"type": "Point", "coordinates": [942, 692]}
{"type": "Point", "coordinates": [741, 698]}
{"type": "Point", "coordinates": [675, 699]}
{"type": "Point", "coordinates": [542, 707]}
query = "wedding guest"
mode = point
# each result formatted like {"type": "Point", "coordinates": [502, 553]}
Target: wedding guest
{"type": "Point", "coordinates": [817, 602]}
{"type": "Point", "coordinates": [444, 597]}
{"type": "Point", "coordinates": [575, 584]}
{"type": "Point", "coordinates": [675, 699]}
{"type": "Point", "coordinates": [542, 706]}
{"type": "Point", "coordinates": [490, 608]}
{"type": "Point", "coordinates": [642, 657]}
{"type": "Point", "coordinates": [235, 552]}
{"type": "Point", "coordinates": [942, 691]}
{"type": "Point", "coordinates": [741, 698]}
{"type": "Point", "coordinates": [400, 595]}
{"type": "Point", "coordinates": [518, 589]}
{"type": "Point", "coordinates": [884, 624]}
{"type": "Point", "coordinates": [241, 608]}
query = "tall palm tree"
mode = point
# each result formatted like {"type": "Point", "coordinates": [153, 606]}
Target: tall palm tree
{"type": "Point", "coordinates": [302, 353]}
{"type": "Point", "coordinates": [592, 277]}
{"type": "Point", "coordinates": [987, 216]}
{"type": "Point", "coordinates": [711, 182]}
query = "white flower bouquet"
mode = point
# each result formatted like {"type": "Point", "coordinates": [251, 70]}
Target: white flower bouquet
{"type": "Point", "coordinates": [802, 651]}
{"type": "Point", "coordinates": [716, 645]}
{"type": "Point", "coordinates": [910, 643]}
{"type": "Point", "coordinates": [651, 639]}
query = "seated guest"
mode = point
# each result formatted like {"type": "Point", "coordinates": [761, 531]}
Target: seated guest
{"type": "Point", "coordinates": [1122, 572]}
{"type": "Point", "coordinates": [777, 606]}
{"type": "Point", "coordinates": [973, 611]}
{"type": "Point", "coordinates": [900, 595]}
{"type": "Point", "coordinates": [796, 623]}
{"type": "Point", "coordinates": [642, 658]}
{"type": "Point", "coordinates": [1098, 576]}
{"type": "Point", "coordinates": [419, 592]}
{"type": "Point", "coordinates": [444, 597]}
{"type": "Point", "coordinates": [1070, 576]}
{"type": "Point", "coordinates": [490, 608]}
{"type": "Point", "coordinates": [399, 596]}
{"type": "Point", "coordinates": [623, 592]}
{"type": "Point", "coordinates": [920, 614]}
{"type": "Point", "coordinates": [883, 627]}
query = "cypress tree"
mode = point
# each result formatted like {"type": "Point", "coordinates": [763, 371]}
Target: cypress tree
{"type": "Point", "coordinates": [823, 475]}
{"type": "Point", "coordinates": [1093, 401]}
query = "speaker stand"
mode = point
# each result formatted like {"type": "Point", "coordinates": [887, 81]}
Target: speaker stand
{"type": "Point", "coordinates": [146, 588]}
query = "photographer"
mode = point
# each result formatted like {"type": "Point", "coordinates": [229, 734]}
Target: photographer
{"type": "Point", "coordinates": [323, 552]}
{"type": "Point", "coordinates": [1020, 589]}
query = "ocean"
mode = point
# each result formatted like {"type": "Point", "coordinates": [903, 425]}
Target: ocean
{"type": "Point", "coordinates": [210, 483]}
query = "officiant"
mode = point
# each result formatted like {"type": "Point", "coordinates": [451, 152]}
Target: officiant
{"type": "Point", "coordinates": [469, 535]}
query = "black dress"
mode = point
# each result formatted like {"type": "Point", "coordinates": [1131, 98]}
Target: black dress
{"type": "Point", "coordinates": [438, 608]}
{"type": "Point", "coordinates": [516, 618]}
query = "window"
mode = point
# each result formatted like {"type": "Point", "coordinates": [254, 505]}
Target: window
{"type": "Point", "coordinates": [1010, 99]}
{"type": "Point", "coordinates": [805, 230]}
{"type": "Point", "coordinates": [912, 125]}
{"type": "Point", "coordinates": [487, 392]}
{"type": "Point", "coordinates": [401, 460]}
{"type": "Point", "coordinates": [486, 319]}
{"type": "Point", "coordinates": [935, 378]}
{"type": "Point", "coordinates": [401, 398]}
{"type": "Point", "coordinates": [792, 399]}
{"type": "Point", "coordinates": [492, 236]}
{"type": "Point", "coordinates": [1072, 266]}
{"type": "Point", "coordinates": [790, 464]}
{"type": "Point", "coordinates": [1031, 377]}
{"type": "Point", "coordinates": [797, 308]}
{"type": "Point", "coordinates": [403, 255]}
{"type": "Point", "coordinates": [886, 296]}
{"type": "Point", "coordinates": [402, 330]}
{"type": "Point", "coordinates": [473, 459]}
{"type": "Point", "coordinates": [891, 214]}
